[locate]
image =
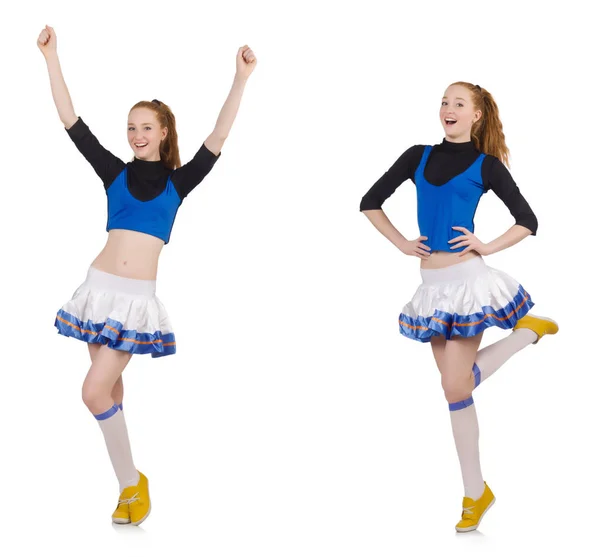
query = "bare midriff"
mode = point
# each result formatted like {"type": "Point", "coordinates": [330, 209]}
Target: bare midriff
{"type": "Point", "coordinates": [441, 259]}
{"type": "Point", "coordinates": [130, 254]}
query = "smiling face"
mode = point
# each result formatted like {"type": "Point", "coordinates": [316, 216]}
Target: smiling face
{"type": "Point", "coordinates": [145, 134]}
{"type": "Point", "coordinates": [458, 114]}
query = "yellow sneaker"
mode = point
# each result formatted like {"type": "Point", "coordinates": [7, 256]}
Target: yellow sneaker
{"type": "Point", "coordinates": [135, 502]}
{"type": "Point", "coordinates": [539, 325]}
{"type": "Point", "coordinates": [121, 514]}
{"type": "Point", "coordinates": [473, 511]}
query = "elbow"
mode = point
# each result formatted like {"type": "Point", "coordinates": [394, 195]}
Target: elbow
{"type": "Point", "coordinates": [220, 134]}
{"type": "Point", "coordinates": [369, 204]}
{"type": "Point", "coordinates": [533, 225]}
{"type": "Point", "coordinates": [369, 209]}
{"type": "Point", "coordinates": [69, 121]}
{"type": "Point", "coordinates": [214, 143]}
{"type": "Point", "coordinates": [530, 224]}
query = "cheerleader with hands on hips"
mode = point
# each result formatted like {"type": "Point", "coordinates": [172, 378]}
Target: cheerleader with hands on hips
{"type": "Point", "coordinates": [461, 296]}
{"type": "Point", "coordinates": [116, 310]}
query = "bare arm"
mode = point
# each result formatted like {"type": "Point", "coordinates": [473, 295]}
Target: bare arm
{"type": "Point", "coordinates": [245, 62]}
{"type": "Point", "coordinates": [60, 93]}
{"type": "Point", "coordinates": [512, 236]}
{"type": "Point", "coordinates": [415, 247]}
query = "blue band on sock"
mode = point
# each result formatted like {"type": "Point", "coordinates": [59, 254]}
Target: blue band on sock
{"type": "Point", "coordinates": [121, 407]}
{"type": "Point", "coordinates": [460, 405]}
{"type": "Point", "coordinates": [477, 374]}
{"type": "Point", "coordinates": [110, 412]}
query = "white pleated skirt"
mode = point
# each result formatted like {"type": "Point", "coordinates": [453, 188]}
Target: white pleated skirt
{"type": "Point", "coordinates": [463, 300]}
{"type": "Point", "coordinates": [123, 313]}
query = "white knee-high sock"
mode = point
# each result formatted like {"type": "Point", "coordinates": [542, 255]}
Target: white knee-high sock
{"type": "Point", "coordinates": [465, 428]}
{"type": "Point", "coordinates": [112, 424]}
{"type": "Point", "coordinates": [492, 357]}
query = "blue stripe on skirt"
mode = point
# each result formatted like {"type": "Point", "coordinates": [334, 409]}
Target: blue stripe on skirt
{"type": "Point", "coordinates": [111, 333]}
{"type": "Point", "coordinates": [448, 325]}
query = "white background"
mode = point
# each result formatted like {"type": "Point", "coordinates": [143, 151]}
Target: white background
{"type": "Point", "coordinates": [294, 419]}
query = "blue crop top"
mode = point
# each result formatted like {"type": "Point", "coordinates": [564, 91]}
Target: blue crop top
{"type": "Point", "coordinates": [439, 208]}
{"type": "Point", "coordinates": [154, 217]}
{"type": "Point", "coordinates": [143, 196]}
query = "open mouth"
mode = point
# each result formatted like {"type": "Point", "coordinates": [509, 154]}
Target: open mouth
{"type": "Point", "coordinates": [140, 145]}
{"type": "Point", "coordinates": [450, 121]}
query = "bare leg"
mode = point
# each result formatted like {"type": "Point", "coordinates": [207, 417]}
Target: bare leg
{"type": "Point", "coordinates": [107, 367]}
{"type": "Point", "coordinates": [455, 359]}
{"type": "Point", "coordinates": [117, 391]}
{"type": "Point", "coordinates": [438, 345]}
{"type": "Point", "coordinates": [104, 373]}
{"type": "Point", "coordinates": [457, 370]}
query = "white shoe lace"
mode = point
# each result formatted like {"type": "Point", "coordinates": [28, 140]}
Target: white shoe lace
{"type": "Point", "coordinates": [130, 500]}
{"type": "Point", "coordinates": [468, 510]}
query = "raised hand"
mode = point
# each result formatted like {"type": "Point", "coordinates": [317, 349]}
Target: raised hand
{"type": "Point", "coordinates": [47, 41]}
{"type": "Point", "coordinates": [416, 248]}
{"type": "Point", "coordinates": [472, 242]}
{"type": "Point", "coordinates": [47, 44]}
{"type": "Point", "coordinates": [245, 61]}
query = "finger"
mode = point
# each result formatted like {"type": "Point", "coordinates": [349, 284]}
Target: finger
{"type": "Point", "coordinates": [458, 239]}
{"type": "Point", "coordinates": [423, 246]}
{"type": "Point", "coordinates": [461, 228]}
{"type": "Point", "coordinates": [421, 238]}
{"type": "Point", "coordinates": [466, 251]}
{"type": "Point", "coordinates": [460, 245]}
{"type": "Point", "coordinates": [423, 253]}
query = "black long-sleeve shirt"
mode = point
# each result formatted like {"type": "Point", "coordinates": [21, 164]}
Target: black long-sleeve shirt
{"type": "Point", "coordinates": [446, 161]}
{"type": "Point", "coordinates": [146, 179]}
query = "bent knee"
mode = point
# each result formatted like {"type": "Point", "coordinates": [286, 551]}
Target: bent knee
{"type": "Point", "coordinates": [457, 389]}
{"type": "Point", "coordinates": [93, 397]}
